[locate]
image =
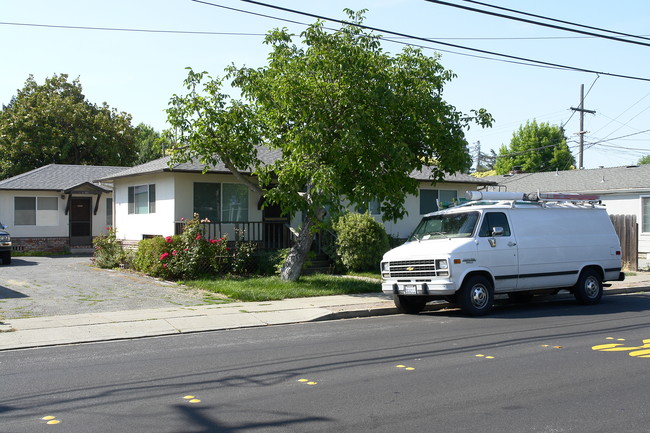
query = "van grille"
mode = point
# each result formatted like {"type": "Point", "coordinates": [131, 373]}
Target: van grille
{"type": "Point", "coordinates": [413, 269]}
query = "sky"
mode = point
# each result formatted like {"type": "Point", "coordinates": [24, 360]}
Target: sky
{"type": "Point", "coordinates": [138, 64]}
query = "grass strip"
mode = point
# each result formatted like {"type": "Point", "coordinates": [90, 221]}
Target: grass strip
{"type": "Point", "coordinates": [273, 289]}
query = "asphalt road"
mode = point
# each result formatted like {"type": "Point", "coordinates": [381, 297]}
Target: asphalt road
{"type": "Point", "coordinates": [47, 286]}
{"type": "Point", "coordinates": [545, 367]}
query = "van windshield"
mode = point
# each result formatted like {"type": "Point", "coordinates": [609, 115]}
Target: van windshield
{"type": "Point", "coordinates": [454, 225]}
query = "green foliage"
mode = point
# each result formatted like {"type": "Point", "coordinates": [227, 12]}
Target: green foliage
{"type": "Point", "coordinates": [269, 262]}
{"type": "Point", "coordinates": [108, 251]}
{"type": "Point", "coordinates": [147, 256]}
{"type": "Point", "coordinates": [360, 241]}
{"type": "Point", "coordinates": [149, 144]}
{"type": "Point", "coordinates": [536, 148]}
{"type": "Point", "coordinates": [54, 123]}
{"type": "Point", "coordinates": [349, 119]}
{"type": "Point", "coordinates": [644, 160]}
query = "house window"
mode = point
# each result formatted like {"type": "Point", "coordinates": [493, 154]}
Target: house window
{"type": "Point", "coordinates": [142, 199]}
{"type": "Point", "coordinates": [227, 202]}
{"type": "Point", "coordinates": [207, 200]}
{"type": "Point", "coordinates": [645, 214]}
{"type": "Point", "coordinates": [36, 211]}
{"type": "Point", "coordinates": [109, 212]}
{"type": "Point", "coordinates": [374, 208]}
{"type": "Point", "coordinates": [429, 199]}
{"type": "Point", "coordinates": [235, 202]}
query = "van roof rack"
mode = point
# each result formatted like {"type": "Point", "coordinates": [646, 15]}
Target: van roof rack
{"type": "Point", "coordinates": [538, 197]}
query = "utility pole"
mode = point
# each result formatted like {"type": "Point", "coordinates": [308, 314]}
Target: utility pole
{"type": "Point", "coordinates": [582, 132]}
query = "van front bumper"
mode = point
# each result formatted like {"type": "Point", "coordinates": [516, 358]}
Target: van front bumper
{"type": "Point", "coordinates": [433, 288]}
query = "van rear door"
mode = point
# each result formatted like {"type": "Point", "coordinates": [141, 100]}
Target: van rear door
{"type": "Point", "coordinates": [497, 250]}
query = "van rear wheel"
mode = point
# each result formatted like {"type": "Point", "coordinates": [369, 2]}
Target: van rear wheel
{"type": "Point", "coordinates": [409, 304]}
{"type": "Point", "coordinates": [589, 288]}
{"type": "Point", "coordinates": [476, 296]}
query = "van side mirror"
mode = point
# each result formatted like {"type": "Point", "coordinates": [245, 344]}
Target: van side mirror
{"type": "Point", "coordinates": [497, 231]}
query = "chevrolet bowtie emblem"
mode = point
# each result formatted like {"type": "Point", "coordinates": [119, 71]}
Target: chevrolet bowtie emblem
{"type": "Point", "coordinates": [410, 268]}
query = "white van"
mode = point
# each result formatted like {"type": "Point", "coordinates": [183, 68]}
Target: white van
{"type": "Point", "coordinates": [505, 243]}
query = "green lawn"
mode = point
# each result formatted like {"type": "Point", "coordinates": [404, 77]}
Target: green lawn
{"type": "Point", "coordinates": [271, 288]}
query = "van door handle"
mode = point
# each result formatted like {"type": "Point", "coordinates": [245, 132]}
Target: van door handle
{"type": "Point", "coordinates": [512, 244]}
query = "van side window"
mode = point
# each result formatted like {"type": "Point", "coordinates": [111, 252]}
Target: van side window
{"type": "Point", "coordinates": [494, 219]}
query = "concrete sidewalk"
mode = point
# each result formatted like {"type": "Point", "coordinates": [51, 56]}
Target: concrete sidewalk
{"type": "Point", "coordinates": [84, 328]}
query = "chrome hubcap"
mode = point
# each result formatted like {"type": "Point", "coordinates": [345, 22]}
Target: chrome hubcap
{"type": "Point", "coordinates": [479, 296]}
{"type": "Point", "coordinates": [591, 287]}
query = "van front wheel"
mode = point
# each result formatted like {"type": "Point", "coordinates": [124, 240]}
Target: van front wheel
{"type": "Point", "coordinates": [589, 288]}
{"type": "Point", "coordinates": [476, 296]}
{"type": "Point", "coordinates": [409, 304]}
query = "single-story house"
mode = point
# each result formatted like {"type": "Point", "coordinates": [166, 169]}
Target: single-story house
{"type": "Point", "coordinates": [623, 190]}
{"type": "Point", "coordinates": [154, 198]}
{"type": "Point", "coordinates": [57, 207]}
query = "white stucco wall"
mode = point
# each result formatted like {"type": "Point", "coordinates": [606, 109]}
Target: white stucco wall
{"type": "Point", "coordinates": [629, 204]}
{"type": "Point", "coordinates": [62, 227]}
{"type": "Point", "coordinates": [174, 200]}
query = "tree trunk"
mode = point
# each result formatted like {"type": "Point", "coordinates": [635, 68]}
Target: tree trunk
{"type": "Point", "coordinates": [292, 267]}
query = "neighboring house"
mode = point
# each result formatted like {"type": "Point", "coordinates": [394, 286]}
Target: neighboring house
{"type": "Point", "coordinates": [623, 190]}
{"type": "Point", "coordinates": [57, 207]}
{"type": "Point", "coordinates": [153, 198]}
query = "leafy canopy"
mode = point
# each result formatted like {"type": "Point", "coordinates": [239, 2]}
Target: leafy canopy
{"type": "Point", "coordinates": [54, 123]}
{"type": "Point", "coordinates": [535, 148]}
{"type": "Point", "coordinates": [350, 119]}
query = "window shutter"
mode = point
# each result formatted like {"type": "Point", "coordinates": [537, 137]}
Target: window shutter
{"type": "Point", "coordinates": [152, 198]}
{"type": "Point", "coordinates": [131, 199]}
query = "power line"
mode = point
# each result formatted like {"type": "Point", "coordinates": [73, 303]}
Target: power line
{"type": "Point", "coordinates": [198, 32]}
{"type": "Point", "coordinates": [556, 20]}
{"type": "Point", "coordinates": [530, 62]}
{"type": "Point", "coordinates": [115, 29]}
{"type": "Point", "coordinates": [537, 23]}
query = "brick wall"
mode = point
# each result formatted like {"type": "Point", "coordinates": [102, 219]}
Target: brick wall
{"type": "Point", "coordinates": [49, 245]}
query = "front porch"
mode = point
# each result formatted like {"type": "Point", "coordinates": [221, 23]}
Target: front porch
{"type": "Point", "coordinates": [268, 235]}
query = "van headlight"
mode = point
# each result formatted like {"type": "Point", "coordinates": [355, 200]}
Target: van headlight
{"type": "Point", "coordinates": [442, 264]}
{"type": "Point", "coordinates": [384, 266]}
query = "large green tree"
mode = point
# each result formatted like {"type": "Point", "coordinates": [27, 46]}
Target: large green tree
{"type": "Point", "coordinates": [535, 148]}
{"type": "Point", "coordinates": [351, 120]}
{"type": "Point", "coordinates": [149, 143]}
{"type": "Point", "coordinates": [54, 123]}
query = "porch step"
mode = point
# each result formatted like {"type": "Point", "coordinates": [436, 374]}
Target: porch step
{"type": "Point", "coordinates": [319, 265]}
{"type": "Point", "coordinates": [82, 250]}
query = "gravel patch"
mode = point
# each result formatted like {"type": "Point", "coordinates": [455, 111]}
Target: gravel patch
{"type": "Point", "coordinates": [47, 286]}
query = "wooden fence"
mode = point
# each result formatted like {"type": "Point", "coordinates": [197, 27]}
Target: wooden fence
{"type": "Point", "coordinates": [628, 232]}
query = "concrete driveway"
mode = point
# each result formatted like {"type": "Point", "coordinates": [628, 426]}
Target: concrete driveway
{"type": "Point", "coordinates": [47, 286]}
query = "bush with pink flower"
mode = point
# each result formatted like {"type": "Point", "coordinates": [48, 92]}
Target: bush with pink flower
{"type": "Point", "coordinates": [186, 256]}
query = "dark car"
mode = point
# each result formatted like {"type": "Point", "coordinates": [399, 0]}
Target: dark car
{"type": "Point", "coordinates": [5, 245]}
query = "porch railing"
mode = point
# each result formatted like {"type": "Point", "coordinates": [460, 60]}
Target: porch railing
{"type": "Point", "coordinates": [268, 235]}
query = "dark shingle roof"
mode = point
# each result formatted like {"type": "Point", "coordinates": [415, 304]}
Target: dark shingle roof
{"type": "Point", "coordinates": [58, 177]}
{"type": "Point", "coordinates": [267, 156]}
{"type": "Point", "coordinates": [602, 180]}
{"type": "Point", "coordinates": [163, 164]}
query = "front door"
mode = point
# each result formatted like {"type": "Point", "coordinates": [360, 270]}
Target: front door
{"type": "Point", "coordinates": [276, 229]}
{"type": "Point", "coordinates": [80, 221]}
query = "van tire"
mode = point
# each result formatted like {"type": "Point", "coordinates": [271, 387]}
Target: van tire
{"type": "Point", "coordinates": [476, 296]}
{"type": "Point", "coordinates": [409, 304]}
{"type": "Point", "coordinates": [589, 288]}
{"type": "Point", "coordinates": [6, 258]}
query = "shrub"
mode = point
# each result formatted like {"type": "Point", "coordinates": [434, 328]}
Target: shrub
{"type": "Point", "coordinates": [360, 241]}
{"type": "Point", "coordinates": [186, 256]}
{"type": "Point", "coordinates": [147, 257]}
{"type": "Point", "coordinates": [108, 251]}
{"type": "Point", "coordinates": [269, 262]}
